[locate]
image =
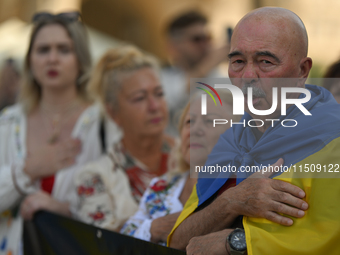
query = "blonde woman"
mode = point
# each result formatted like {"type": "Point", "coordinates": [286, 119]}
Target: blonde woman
{"type": "Point", "coordinates": [127, 81]}
{"type": "Point", "coordinates": [164, 199]}
{"type": "Point", "coordinates": [54, 128]}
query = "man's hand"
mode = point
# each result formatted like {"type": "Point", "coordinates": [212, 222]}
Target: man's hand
{"type": "Point", "coordinates": [52, 158]}
{"type": "Point", "coordinates": [258, 197]}
{"type": "Point", "coordinates": [212, 244]}
{"type": "Point", "coordinates": [161, 227]}
{"type": "Point", "coordinates": [42, 201]}
{"type": "Point", "coordinates": [261, 197]}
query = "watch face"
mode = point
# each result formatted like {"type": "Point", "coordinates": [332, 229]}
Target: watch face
{"type": "Point", "coordinates": [237, 240]}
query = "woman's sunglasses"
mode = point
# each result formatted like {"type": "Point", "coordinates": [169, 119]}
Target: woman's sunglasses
{"type": "Point", "coordinates": [64, 16]}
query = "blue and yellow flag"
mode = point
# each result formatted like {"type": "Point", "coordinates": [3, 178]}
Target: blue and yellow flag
{"type": "Point", "coordinates": [311, 150]}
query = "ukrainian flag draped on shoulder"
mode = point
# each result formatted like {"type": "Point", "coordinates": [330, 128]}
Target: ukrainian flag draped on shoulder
{"type": "Point", "coordinates": [313, 143]}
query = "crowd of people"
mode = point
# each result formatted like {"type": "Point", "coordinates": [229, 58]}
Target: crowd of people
{"type": "Point", "coordinates": [86, 142]}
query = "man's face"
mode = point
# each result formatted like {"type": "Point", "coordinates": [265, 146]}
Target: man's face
{"type": "Point", "coordinates": [192, 43]}
{"type": "Point", "coordinates": [259, 53]}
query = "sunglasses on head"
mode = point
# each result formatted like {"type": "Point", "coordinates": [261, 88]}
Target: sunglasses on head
{"type": "Point", "coordinates": [64, 16]}
{"type": "Point", "coordinates": [200, 38]}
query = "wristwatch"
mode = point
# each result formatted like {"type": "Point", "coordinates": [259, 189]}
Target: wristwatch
{"type": "Point", "coordinates": [237, 242]}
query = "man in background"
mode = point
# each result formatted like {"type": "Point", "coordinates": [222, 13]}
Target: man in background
{"type": "Point", "coordinates": [9, 83]}
{"type": "Point", "coordinates": [191, 56]}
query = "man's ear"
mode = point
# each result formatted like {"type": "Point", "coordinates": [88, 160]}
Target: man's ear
{"type": "Point", "coordinates": [305, 66]}
{"type": "Point", "coordinates": [112, 113]}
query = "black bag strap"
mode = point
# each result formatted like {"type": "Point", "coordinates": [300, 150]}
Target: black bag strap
{"type": "Point", "coordinates": [102, 135]}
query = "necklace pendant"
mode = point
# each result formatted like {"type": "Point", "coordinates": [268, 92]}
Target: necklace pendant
{"type": "Point", "coordinates": [53, 139]}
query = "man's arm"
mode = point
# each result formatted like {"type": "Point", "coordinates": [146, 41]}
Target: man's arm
{"type": "Point", "coordinates": [213, 218]}
{"type": "Point", "coordinates": [162, 226]}
{"type": "Point", "coordinates": [214, 243]}
{"type": "Point", "coordinates": [257, 196]}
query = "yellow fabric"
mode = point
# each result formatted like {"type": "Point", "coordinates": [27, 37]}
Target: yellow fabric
{"type": "Point", "coordinates": [318, 232]}
{"type": "Point", "coordinates": [188, 209]}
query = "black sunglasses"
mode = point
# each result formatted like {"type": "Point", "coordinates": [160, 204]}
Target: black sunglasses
{"type": "Point", "coordinates": [64, 16]}
{"type": "Point", "coordinates": [200, 38]}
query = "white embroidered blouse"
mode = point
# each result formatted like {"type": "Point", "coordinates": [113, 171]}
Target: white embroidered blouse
{"type": "Point", "coordinates": [160, 199]}
{"type": "Point", "coordinates": [12, 156]}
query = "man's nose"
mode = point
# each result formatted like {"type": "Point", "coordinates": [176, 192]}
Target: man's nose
{"type": "Point", "coordinates": [250, 73]}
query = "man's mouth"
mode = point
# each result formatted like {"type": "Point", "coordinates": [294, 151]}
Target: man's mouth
{"type": "Point", "coordinates": [255, 100]}
{"type": "Point", "coordinates": [257, 93]}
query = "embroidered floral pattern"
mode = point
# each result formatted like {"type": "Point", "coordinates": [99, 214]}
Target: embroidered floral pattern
{"type": "Point", "coordinates": [129, 229]}
{"type": "Point", "coordinates": [84, 191]}
{"type": "Point", "coordinates": [159, 192]}
{"type": "Point", "coordinates": [137, 172]}
{"type": "Point", "coordinates": [158, 200]}
{"type": "Point", "coordinates": [3, 244]}
{"type": "Point", "coordinates": [91, 186]}
{"type": "Point", "coordinates": [98, 215]}
{"type": "Point", "coordinates": [159, 186]}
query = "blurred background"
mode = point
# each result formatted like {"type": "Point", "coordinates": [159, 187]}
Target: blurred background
{"type": "Point", "coordinates": [142, 22]}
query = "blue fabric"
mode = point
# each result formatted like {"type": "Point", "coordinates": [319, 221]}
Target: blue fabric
{"type": "Point", "coordinates": [238, 146]}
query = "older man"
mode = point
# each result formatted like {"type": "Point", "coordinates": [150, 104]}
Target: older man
{"type": "Point", "coordinates": [267, 44]}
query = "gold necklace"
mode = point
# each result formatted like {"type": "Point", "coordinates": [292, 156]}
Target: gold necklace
{"type": "Point", "coordinates": [54, 138]}
{"type": "Point", "coordinates": [57, 121]}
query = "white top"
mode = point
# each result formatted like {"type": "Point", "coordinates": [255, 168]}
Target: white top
{"type": "Point", "coordinates": [160, 199]}
{"type": "Point", "coordinates": [12, 156]}
{"type": "Point", "coordinates": [104, 195]}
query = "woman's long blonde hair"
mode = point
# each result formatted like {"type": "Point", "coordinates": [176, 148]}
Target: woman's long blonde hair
{"type": "Point", "coordinates": [30, 92]}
